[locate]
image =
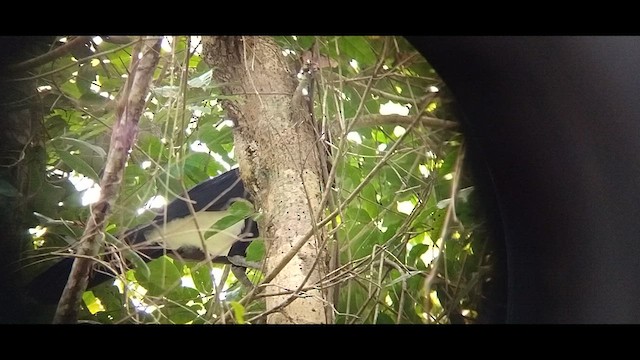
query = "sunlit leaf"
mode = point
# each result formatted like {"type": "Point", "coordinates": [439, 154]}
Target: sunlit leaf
{"type": "Point", "coordinates": [238, 311]}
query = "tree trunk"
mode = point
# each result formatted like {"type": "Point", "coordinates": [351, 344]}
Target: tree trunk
{"type": "Point", "coordinates": [275, 144]}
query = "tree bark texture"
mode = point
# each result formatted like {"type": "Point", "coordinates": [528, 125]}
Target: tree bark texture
{"type": "Point", "coordinates": [276, 147]}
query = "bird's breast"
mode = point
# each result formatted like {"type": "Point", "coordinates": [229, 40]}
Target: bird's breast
{"type": "Point", "coordinates": [183, 232]}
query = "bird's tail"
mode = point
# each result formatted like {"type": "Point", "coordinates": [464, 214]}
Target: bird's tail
{"type": "Point", "coordinates": [47, 287]}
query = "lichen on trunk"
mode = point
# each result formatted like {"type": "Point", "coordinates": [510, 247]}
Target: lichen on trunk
{"type": "Point", "coordinates": [276, 148]}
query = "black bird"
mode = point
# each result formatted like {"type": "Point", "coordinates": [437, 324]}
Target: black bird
{"type": "Point", "coordinates": [174, 229]}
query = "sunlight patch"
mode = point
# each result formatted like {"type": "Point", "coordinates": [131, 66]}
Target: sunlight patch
{"type": "Point", "coordinates": [166, 45]}
{"type": "Point", "coordinates": [434, 250]}
{"type": "Point", "coordinates": [424, 170]}
{"type": "Point", "coordinates": [405, 207]}
{"type": "Point", "coordinates": [198, 146]}
{"type": "Point", "coordinates": [187, 281]}
{"type": "Point", "coordinates": [380, 226]}
{"type": "Point", "coordinates": [225, 123]}
{"type": "Point", "coordinates": [80, 182]}
{"type": "Point", "coordinates": [156, 202]}
{"type": "Point", "coordinates": [399, 131]}
{"type": "Point", "coordinates": [391, 108]}
{"type": "Point", "coordinates": [354, 64]}
{"type": "Point", "coordinates": [196, 45]}
{"type": "Point", "coordinates": [92, 195]}
{"type": "Point", "coordinates": [354, 137]}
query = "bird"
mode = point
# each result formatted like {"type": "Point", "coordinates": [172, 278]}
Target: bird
{"type": "Point", "coordinates": [173, 230]}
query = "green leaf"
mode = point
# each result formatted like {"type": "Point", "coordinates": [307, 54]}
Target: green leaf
{"type": "Point", "coordinates": [110, 84]}
{"type": "Point", "coordinates": [384, 319]}
{"type": "Point", "coordinates": [182, 314]}
{"type": "Point", "coordinates": [152, 146]}
{"type": "Point", "coordinates": [211, 136]}
{"type": "Point", "coordinates": [415, 253]}
{"type": "Point", "coordinates": [305, 42]}
{"type": "Point", "coordinates": [357, 47]}
{"type": "Point", "coordinates": [169, 91]}
{"type": "Point", "coordinates": [86, 76]}
{"type": "Point", "coordinates": [77, 164]}
{"type": "Point", "coordinates": [201, 81]}
{"type": "Point", "coordinates": [238, 211]}
{"type": "Point", "coordinates": [93, 101]}
{"type": "Point", "coordinates": [80, 144]}
{"type": "Point", "coordinates": [71, 90]}
{"type": "Point", "coordinates": [55, 125]}
{"type": "Point", "coordinates": [163, 275]}
{"type": "Point", "coordinates": [93, 304]}
{"type": "Point", "coordinates": [358, 214]}
{"type": "Point", "coordinates": [238, 311]}
{"type": "Point", "coordinates": [255, 251]}
{"type": "Point", "coordinates": [131, 255]}
{"type": "Point", "coordinates": [202, 279]}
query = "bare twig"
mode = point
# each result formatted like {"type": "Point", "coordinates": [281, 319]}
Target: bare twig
{"type": "Point", "coordinates": [51, 55]}
{"type": "Point", "coordinates": [79, 62]}
{"type": "Point", "coordinates": [450, 214]}
{"type": "Point", "coordinates": [373, 120]}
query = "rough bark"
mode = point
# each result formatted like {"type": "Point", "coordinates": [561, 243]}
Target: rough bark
{"type": "Point", "coordinates": [277, 150]}
{"type": "Point", "coordinates": [125, 129]}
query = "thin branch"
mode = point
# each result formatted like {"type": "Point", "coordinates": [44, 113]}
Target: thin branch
{"type": "Point", "coordinates": [79, 62]}
{"type": "Point", "coordinates": [450, 214]}
{"type": "Point", "coordinates": [126, 127]}
{"type": "Point", "coordinates": [51, 55]}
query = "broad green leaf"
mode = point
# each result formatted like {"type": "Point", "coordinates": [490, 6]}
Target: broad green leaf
{"type": "Point", "coordinates": [415, 253]}
{"type": "Point", "coordinates": [238, 211]}
{"type": "Point", "coordinates": [56, 125]}
{"type": "Point", "coordinates": [111, 84]}
{"type": "Point", "coordinates": [209, 135]}
{"type": "Point", "coordinates": [305, 42]}
{"type": "Point", "coordinates": [85, 78]}
{"type": "Point", "coordinates": [255, 251]}
{"type": "Point", "coordinates": [356, 47]}
{"type": "Point", "coordinates": [238, 311]}
{"type": "Point", "coordinates": [71, 90]}
{"type": "Point", "coordinates": [131, 256]}
{"type": "Point", "coordinates": [163, 275]}
{"type": "Point", "coordinates": [64, 140]}
{"type": "Point", "coordinates": [169, 91]}
{"type": "Point", "coordinates": [201, 81]}
{"type": "Point", "coordinates": [93, 101]}
{"type": "Point", "coordinates": [202, 279]}
{"type": "Point", "coordinates": [358, 214]}
{"type": "Point", "coordinates": [93, 304]}
{"type": "Point", "coordinates": [152, 146]}
{"type": "Point", "coordinates": [77, 164]}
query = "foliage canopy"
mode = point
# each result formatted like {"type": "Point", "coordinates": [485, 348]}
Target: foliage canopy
{"type": "Point", "coordinates": [408, 253]}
